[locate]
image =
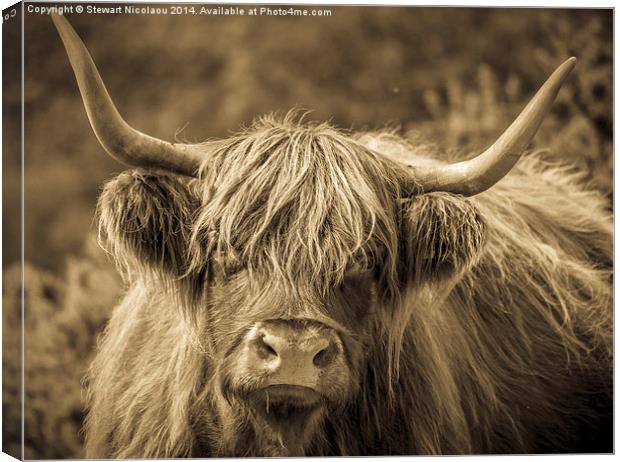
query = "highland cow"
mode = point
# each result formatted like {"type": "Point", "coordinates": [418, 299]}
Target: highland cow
{"type": "Point", "coordinates": [299, 290]}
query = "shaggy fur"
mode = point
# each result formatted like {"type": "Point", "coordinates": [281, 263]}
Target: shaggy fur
{"type": "Point", "coordinates": [473, 325]}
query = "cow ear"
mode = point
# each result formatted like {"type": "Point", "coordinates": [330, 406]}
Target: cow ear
{"type": "Point", "coordinates": [441, 234]}
{"type": "Point", "coordinates": [145, 220]}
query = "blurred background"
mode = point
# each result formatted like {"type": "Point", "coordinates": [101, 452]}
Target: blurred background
{"type": "Point", "coordinates": [453, 77]}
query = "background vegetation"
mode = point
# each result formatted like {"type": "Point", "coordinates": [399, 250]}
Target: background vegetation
{"type": "Point", "coordinates": [451, 77]}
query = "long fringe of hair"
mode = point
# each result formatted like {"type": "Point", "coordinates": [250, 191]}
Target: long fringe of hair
{"type": "Point", "coordinates": [298, 201]}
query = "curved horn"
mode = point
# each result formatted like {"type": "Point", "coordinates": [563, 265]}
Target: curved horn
{"type": "Point", "coordinates": [118, 138]}
{"type": "Point", "coordinates": [475, 175]}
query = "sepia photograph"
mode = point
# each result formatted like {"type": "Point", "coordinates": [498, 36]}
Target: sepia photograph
{"type": "Point", "coordinates": [306, 230]}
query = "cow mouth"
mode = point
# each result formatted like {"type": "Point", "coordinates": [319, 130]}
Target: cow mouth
{"type": "Point", "coordinates": [285, 407]}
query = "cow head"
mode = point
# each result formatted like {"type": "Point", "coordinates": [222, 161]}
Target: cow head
{"type": "Point", "coordinates": [288, 248]}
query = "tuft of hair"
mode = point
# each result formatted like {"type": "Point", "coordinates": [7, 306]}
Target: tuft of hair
{"type": "Point", "coordinates": [144, 222]}
{"type": "Point", "coordinates": [300, 202]}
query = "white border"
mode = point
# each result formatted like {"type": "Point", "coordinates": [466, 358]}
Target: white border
{"type": "Point", "coordinates": [449, 3]}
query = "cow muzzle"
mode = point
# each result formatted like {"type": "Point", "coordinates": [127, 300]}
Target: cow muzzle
{"type": "Point", "coordinates": [297, 369]}
{"type": "Point", "coordinates": [289, 373]}
{"type": "Point", "coordinates": [294, 355]}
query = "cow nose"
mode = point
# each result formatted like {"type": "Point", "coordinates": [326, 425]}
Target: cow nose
{"type": "Point", "coordinates": [317, 350]}
{"type": "Point", "coordinates": [295, 355]}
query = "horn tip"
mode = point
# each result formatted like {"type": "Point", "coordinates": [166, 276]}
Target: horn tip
{"type": "Point", "coordinates": [563, 71]}
{"type": "Point", "coordinates": [570, 62]}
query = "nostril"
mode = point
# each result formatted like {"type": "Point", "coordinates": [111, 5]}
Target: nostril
{"type": "Point", "coordinates": [264, 350]}
{"type": "Point", "coordinates": [324, 357]}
